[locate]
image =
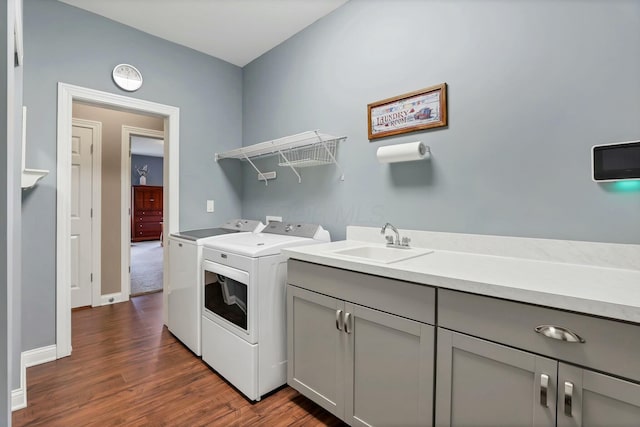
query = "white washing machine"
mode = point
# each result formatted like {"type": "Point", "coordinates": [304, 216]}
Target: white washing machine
{"type": "Point", "coordinates": [244, 305]}
{"type": "Point", "coordinates": [184, 293]}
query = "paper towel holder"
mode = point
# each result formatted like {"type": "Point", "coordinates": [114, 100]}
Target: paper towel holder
{"type": "Point", "coordinates": [403, 152]}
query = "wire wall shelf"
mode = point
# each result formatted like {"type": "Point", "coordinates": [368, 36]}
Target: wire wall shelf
{"type": "Point", "coordinates": [302, 150]}
{"type": "Point", "coordinates": [314, 155]}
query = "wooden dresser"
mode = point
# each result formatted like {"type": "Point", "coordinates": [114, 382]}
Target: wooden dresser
{"type": "Point", "coordinates": [146, 218]}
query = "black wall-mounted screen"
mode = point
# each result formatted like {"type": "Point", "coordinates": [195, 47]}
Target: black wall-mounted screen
{"type": "Point", "coordinates": [617, 161]}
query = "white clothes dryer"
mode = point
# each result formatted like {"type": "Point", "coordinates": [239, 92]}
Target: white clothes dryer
{"type": "Point", "coordinates": [244, 304]}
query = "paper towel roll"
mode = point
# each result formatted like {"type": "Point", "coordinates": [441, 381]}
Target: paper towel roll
{"type": "Point", "coordinates": [403, 152]}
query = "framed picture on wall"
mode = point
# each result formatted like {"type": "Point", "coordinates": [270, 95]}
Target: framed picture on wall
{"type": "Point", "coordinates": [422, 109]}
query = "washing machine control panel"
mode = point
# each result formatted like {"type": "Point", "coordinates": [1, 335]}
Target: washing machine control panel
{"type": "Point", "coordinates": [292, 229]}
{"type": "Point", "coordinates": [242, 225]}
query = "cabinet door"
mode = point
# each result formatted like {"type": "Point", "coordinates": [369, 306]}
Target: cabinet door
{"type": "Point", "coordinates": [316, 348]}
{"type": "Point", "coordinates": [147, 198]}
{"type": "Point", "coordinates": [389, 372]}
{"type": "Point", "coordinates": [590, 399]}
{"type": "Point", "coordinates": [479, 383]}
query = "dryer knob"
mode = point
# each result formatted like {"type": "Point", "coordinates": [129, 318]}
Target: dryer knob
{"type": "Point", "coordinates": [289, 227]}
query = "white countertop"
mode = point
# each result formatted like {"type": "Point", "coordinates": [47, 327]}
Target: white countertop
{"type": "Point", "coordinates": [601, 291]}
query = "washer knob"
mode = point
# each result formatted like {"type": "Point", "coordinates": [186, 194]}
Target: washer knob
{"type": "Point", "coordinates": [288, 227]}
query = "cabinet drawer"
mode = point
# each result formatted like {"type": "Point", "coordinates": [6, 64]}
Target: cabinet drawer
{"type": "Point", "coordinates": [149, 235]}
{"type": "Point", "coordinates": [148, 226]}
{"type": "Point", "coordinates": [610, 346]}
{"type": "Point", "coordinates": [148, 213]}
{"type": "Point", "coordinates": [156, 219]}
{"type": "Point", "coordinates": [404, 299]}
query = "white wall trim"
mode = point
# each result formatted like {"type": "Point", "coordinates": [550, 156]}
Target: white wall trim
{"type": "Point", "coordinates": [30, 358]}
{"type": "Point", "coordinates": [18, 398]}
{"type": "Point", "coordinates": [38, 356]}
{"type": "Point", "coordinates": [96, 205]}
{"type": "Point", "coordinates": [66, 95]}
{"type": "Point", "coordinates": [19, 395]}
{"type": "Point", "coordinates": [125, 251]}
{"type": "Point", "coordinates": [114, 298]}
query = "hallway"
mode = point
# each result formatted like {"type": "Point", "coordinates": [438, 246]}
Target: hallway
{"type": "Point", "coordinates": [127, 369]}
{"type": "Point", "coordinates": [146, 267]}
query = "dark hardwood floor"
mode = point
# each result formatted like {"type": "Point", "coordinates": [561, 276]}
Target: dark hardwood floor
{"type": "Point", "coordinates": [126, 369]}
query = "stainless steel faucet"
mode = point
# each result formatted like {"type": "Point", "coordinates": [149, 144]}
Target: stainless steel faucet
{"type": "Point", "coordinates": [397, 243]}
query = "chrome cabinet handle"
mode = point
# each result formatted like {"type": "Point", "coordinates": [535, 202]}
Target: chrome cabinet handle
{"type": "Point", "coordinates": [544, 390]}
{"type": "Point", "coordinates": [339, 320]}
{"type": "Point", "coordinates": [559, 333]}
{"type": "Point", "coordinates": [568, 398]}
{"type": "Point", "coordinates": [347, 323]}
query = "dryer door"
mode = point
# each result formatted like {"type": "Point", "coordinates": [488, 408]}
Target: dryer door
{"type": "Point", "coordinates": [228, 298]}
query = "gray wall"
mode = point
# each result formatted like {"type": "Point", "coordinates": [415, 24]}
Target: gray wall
{"type": "Point", "coordinates": [532, 86]}
{"type": "Point", "coordinates": [154, 177]}
{"type": "Point", "coordinates": [66, 44]}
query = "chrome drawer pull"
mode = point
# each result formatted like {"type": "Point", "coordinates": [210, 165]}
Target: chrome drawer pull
{"type": "Point", "coordinates": [348, 323]}
{"type": "Point", "coordinates": [339, 321]}
{"type": "Point", "coordinates": [568, 398]}
{"type": "Point", "coordinates": [559, 333]}
{"type": "Point", "coordinates": [544, 389]}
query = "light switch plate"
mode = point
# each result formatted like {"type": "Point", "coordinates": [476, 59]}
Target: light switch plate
{"type": "Point", "coordinates": [267, 175]}
{"type": "Point", "coordinates": [210, 206]}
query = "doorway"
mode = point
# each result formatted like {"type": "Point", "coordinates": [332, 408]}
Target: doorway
{"type": "Point", "coordinates": [67, 94]}
{"type": "Point", "coordinates": [146, 247]}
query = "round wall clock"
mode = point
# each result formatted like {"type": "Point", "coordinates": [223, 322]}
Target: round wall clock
{"type": "Point", "coordinates": [127, 77]}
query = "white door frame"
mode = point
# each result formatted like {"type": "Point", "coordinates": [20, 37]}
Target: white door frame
{"type": "Point", "coordinates": [96, 205]}
{"type": "Point", "coordinates": [66, 95]}
{"type": "Point", "coordinates": [125, 259]}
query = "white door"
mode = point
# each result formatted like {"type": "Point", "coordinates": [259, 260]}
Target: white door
{"type": "Point", "coordinates": [81, 247]}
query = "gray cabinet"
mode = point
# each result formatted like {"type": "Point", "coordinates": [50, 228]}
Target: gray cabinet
{"type": "Point", "coordinates": [316, 349]}
{"type": "Point", "coordinates": [362, 347]}
{"type": "Point", "coordinates": [480, 383]}
{"type": "Point", "coordinates": [590, 399]}
{"type": "Point", "coordinates": [389, 369]}
{"type": "Point", "coordinates": [367, 367]}
{"type": "Point", "coordinates": [504, 363]}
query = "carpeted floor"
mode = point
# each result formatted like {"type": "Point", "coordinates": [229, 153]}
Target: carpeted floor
{"type": "Point", "coordinates": [146, 267]}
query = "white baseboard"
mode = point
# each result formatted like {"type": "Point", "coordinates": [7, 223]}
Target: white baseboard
{"type": "Point", "coordinates": [18, 399]}
{"type": "Point", "coordinates": [30, 358]}
{"type": "Point", "coordinates": [112, 298]}
{"type": "Point", "coordinates": [38, 356]}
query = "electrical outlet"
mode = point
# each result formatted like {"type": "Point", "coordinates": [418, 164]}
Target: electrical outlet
{"type": "Point", "coordinates": [209, 205]}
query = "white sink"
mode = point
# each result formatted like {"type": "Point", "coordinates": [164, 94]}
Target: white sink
{"type": "Point", "coordinates": [382, 254]}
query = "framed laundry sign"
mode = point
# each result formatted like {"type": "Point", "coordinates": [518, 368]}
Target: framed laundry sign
{"type": "Point", "coordinates": [410, 112]}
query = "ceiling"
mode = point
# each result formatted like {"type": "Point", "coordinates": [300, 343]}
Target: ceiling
{"type": "Point", "coordinates": [145, 146]}
{"type": "Point", "coordinates": [237, 31]}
